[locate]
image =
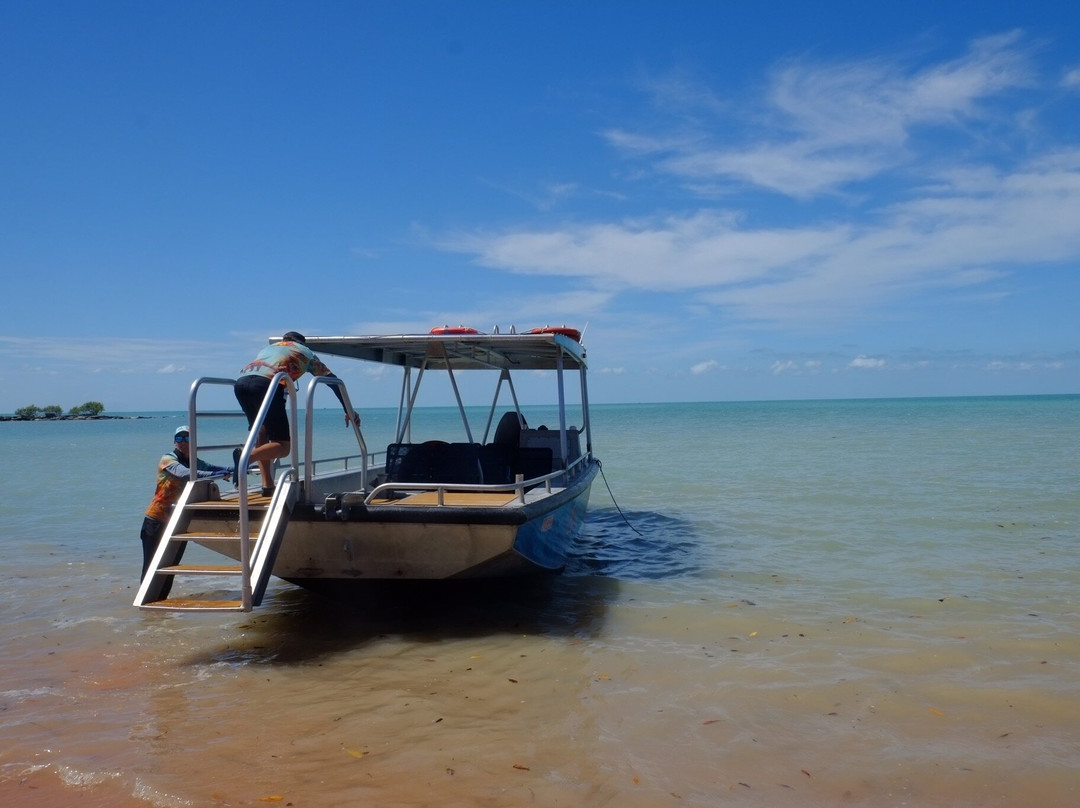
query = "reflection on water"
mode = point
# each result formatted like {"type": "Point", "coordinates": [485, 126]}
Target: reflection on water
{"type": "Point", "coordinates": [303, 626]}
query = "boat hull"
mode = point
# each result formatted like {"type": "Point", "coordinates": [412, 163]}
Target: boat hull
{"type": "Point", "coordinates": [402, 542]}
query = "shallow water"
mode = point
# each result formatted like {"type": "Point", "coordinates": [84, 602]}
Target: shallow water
{"type": "Point", "coordinates": [808, 604]}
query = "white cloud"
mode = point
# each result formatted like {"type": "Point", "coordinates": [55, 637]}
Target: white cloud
{"type": "Point", "coordinates": [796, 169]}
{"type": "Point", "coordinates": [573, 307]}
{"type": "Point", "coordinates": [704, 367]}
{"type": "Point", "coordinates": [703, 249]}
{"type": "Point", "coordinates": [376, 372]}
{"type": "Point", "coordinates": [1025, 365]}
{"type": "Point", "coordinates": [825, 126]}
{"type": "Point", "coordinates": [124, 373]}
{"type": "Point", "coordinates": [951, 226]}
{"type": "Point", "coordinates": [1071, 79]}
{"type": "Point", "coordinates": [810, 367]}
{"type": "Point", "coordinates": [548, 196]}
{"type": "Point", "coordinates": [122, 355]}
{"type": "Point", "coordinates": [963, 229]}
{"type": "Point", "coordinates": [866, 362]}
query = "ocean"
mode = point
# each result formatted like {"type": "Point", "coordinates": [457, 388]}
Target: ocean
{"type": "Point", "coordinates": [859, 603]}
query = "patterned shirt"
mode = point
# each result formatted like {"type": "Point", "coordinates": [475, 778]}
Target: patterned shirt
{"type": "Point", "coordinates": [288, 357]}
{"type": "Point", "coordinates": [173, 471]}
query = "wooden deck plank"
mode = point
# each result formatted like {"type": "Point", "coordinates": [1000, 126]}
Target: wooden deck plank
{"type": "Point", "coordinates": [212, 536]}
{"type": "Point", "coordinates": [230, 502]}
{"type": "Point", "coordinates": [469, 498]}
{"type": "Point", "coordinates": [193, 603]}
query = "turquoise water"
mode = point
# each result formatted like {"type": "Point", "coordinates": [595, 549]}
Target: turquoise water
{"type": "Point", "coordinates": [798, 603]}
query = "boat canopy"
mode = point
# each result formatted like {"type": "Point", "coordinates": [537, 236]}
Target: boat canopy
{"type": "Point", "coordinates": [528, 351]}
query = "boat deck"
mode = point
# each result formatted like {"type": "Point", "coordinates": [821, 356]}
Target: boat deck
{"type": "Point", "coordinates": [466, 498]}
{"type": "Point", "coordinates": [230, 499]}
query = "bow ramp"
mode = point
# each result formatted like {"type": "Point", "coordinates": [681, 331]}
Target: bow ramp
{"type": "Point", "coordinates": [219, 525]}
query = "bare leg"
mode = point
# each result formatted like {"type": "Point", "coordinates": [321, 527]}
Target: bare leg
{"type": "Point", "coordinates": [265, 454]}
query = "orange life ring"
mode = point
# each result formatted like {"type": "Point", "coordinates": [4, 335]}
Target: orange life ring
{"type": "Point", "coordinates": [566, 331]}
{"type": "Point", "coordinates": [445, 330]}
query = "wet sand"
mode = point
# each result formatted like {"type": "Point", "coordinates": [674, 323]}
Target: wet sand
{"type": "Point", "coordinates": [601, 695]}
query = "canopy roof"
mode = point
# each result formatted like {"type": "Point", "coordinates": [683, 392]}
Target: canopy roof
{"type": "Point", "coordinates": [459, 351]}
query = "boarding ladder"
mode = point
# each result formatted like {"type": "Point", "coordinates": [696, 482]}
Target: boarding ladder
{"type": "Point", "coordinates": [248, 529]}
{"type": "Point", "coordinates": [217, 524]}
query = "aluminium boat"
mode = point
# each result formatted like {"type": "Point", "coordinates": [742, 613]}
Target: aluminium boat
{"type": "Point", "coordinates": [508, 500]}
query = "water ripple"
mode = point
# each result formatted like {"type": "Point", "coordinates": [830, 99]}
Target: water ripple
{"type": "Point", "coordinates": [645, 545]}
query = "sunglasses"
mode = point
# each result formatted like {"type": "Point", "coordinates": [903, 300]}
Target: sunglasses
{"type": "Point", "coordinates": [181, 438]}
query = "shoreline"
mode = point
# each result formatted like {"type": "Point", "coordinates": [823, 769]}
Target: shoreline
{"type": "Point", "coordinates": [74, 418]}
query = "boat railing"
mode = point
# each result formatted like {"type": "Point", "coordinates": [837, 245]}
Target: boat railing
{"type": "Point", "coordinates": [194, 414]}
{"type": "Point", "coordinates": [345, 461]}
{"type": "Point", "coordinates": [385, 491]}
{"type": "Point", "coordinates": [364, 458]}
{"type": "Point", "coordinates": [309, 432]}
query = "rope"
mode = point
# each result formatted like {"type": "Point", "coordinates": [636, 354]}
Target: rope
{"type": "Point", "coordinates": [616, 504]}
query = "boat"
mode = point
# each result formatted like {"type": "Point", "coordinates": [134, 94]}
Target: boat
{"type": "Point", "coordinates": [507, 501]}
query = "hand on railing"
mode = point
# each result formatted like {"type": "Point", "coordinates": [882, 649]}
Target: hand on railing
{"type": "Point", "coordinates": [352, 419]}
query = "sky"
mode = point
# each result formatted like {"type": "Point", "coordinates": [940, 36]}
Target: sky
{"type": "Point", "coordinates": [734, 200]}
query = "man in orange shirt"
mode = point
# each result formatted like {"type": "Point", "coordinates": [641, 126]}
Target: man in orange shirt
{"type": "Point", "coordinates": [173, 471]}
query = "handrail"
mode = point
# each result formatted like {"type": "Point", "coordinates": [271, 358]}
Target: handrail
{"type": "Point", "coordinates": [193, 421]}
{"type": "Point", "coordinates": [242, 461]}
{"type": "Point", "coordinates": [269, 527]}
{"type": "Point", "coordinates": [245, 456]}
{"type": "Point", "coordinates": [343, 459]}
{"type": "Point", "coordinates": [518, 486]}
{"type": "Point", "coordinates": [309, 430]}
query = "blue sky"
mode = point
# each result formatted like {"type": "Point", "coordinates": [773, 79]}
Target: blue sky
{"type": "Point", "coordinates": [767, 200]}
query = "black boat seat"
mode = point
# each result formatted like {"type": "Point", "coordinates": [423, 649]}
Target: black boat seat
{"type": "Point", "coordinates": [433, 462]}
{"type": "Point", "coordinates": [508, 432]}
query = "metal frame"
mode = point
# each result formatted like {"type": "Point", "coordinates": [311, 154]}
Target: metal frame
{"type": "Point", "coordinates": [290, 472]}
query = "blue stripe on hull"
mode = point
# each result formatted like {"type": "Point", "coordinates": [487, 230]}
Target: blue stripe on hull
{"type": "Point", "coordinates": [546, 541]}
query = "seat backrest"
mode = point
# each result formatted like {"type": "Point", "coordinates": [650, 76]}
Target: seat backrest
{"type": "Point", "coordinates": [433, 462]}
{"type": "Point", "coordinates": [533, 461]}
{"type": "Point", "coordinates": [508, 432]}
{"type": "Point", "coordinates": [497, 462]}
{"type": "Point", "coordinates": [549, 438]}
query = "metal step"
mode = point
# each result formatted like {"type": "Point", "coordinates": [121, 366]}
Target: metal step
{"type": "Point", "coordinates": [203, 569]}
{"type": "Point", "coordinates": [254, 501]}
{"type": "Point", "coordinates": [205, 535]}
{"type": "Point", "coordinates": [214, 524]}
{"type": "Point", "coordinates": [194, 605]}
{"type": "Point", "coordinates": [257, 503]}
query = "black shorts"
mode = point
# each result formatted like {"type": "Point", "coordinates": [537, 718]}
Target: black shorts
{"type": "Point", "coordinates": [250, 392]}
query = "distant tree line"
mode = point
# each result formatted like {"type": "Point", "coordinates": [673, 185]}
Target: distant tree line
{"type": "Point", "coordinates": [34, 412]}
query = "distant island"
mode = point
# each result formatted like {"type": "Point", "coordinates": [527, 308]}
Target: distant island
{"type": "Point", "coordinates": [90, 411]}
{"type": "Point", "coordinates": [69, 417]}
